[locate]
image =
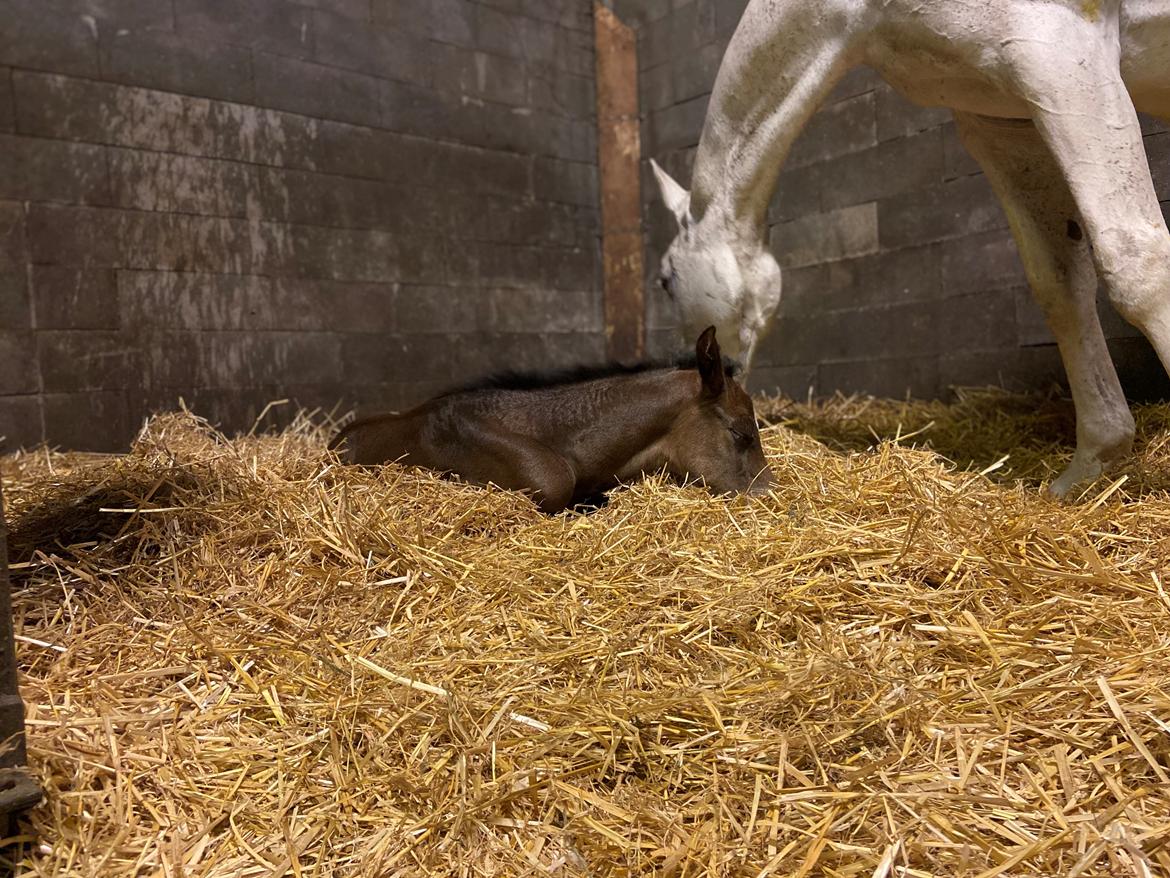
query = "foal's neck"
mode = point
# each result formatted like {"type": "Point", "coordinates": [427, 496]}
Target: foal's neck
{"type": "Point", "coordinates": [643, 406]}
{"type": "Point", "coordinates": [782, 61]}
{"type": "Point", "coordinates": [633, 417]}
{"type": "Point", "coordinates": [650, 401]}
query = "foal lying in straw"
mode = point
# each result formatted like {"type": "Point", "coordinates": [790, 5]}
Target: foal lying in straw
{"type": "Point", "coordinates": [569, 440]}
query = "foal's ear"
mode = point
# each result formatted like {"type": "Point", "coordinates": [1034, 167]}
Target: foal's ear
{"type": "Point", "coordinates": [674, 196]}
{"type": "Point", "coordinates": [710, 361]}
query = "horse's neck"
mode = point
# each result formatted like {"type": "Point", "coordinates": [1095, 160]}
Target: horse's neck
{"type": "Point", "coordinates": [636, 411]}
{"type": "Point", "coordinates": [784, 58]}
{"type": "Point", "coordinates": [648, 403]}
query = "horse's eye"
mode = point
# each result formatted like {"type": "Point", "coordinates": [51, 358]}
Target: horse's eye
{"type": "Point", "coordinates": [743, 440]}
{"type": "Point", "coordinates": [667, 279]}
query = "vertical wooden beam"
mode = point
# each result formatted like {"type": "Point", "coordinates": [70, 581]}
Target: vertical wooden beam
{"type": "Point", "coordinates": [619, 155]}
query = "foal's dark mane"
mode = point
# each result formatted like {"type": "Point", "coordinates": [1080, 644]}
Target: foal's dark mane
{"type": "Point", "coordinates": [541, 379]}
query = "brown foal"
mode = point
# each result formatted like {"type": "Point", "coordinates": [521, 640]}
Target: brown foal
{"type": "Point", "coordinates": [570, 440]}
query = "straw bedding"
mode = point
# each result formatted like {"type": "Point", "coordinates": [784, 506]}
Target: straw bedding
{"type": "Point", "coordinates": [255, 662]}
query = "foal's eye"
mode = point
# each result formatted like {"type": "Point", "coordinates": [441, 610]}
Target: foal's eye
{"type": "Point", "coordinates": [743, 440]}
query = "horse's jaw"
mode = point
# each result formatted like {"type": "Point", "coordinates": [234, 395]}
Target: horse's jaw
{"type": "Point", "coordinates": [735, 287]}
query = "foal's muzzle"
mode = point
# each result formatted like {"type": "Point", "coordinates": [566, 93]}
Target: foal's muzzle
{"type": "Point", "coordinates": [762, 484]}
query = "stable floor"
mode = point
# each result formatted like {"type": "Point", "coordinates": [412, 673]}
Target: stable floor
{"type": "Point", "coordinates": [239, 659]}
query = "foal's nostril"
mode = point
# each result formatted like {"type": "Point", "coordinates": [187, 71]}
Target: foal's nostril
{"type": "Point", "coordinates": [762, 484]}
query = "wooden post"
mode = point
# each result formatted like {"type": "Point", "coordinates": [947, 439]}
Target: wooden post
{"type": "Point", "coordinates": [17, 790]}
{"type": "Point", "coordinates": [619, 155]}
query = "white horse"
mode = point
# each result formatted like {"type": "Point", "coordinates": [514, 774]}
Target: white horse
{"type": "Point", "coordinates": [1044, 93]}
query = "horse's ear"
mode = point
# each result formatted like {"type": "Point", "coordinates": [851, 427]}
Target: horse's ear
{"type": "Point", "coordinates": [710, 361]}
{"type": "Point", "coordinates": [674, 196]}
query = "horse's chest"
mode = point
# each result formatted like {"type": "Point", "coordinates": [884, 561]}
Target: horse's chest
{"type": "Point", "coordinates": [943, 69]}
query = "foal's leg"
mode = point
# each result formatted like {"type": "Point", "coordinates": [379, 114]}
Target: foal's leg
{"type": "Point", "coordinates": [1070, 75]}
{"type": "Point", "coordinates": [1047, 227]}
{"type": "Point", "coordinates": [489, 454]}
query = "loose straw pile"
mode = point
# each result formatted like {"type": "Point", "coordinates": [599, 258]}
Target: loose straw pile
{"type": "Point", "coordinates": [240, 660]}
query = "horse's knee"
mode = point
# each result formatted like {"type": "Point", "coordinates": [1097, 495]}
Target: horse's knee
{"type": "Point", "coordinates": [1065, 297]}
{"type": "Point", "coordinates": [1135, 265]}
{"type": "Point", "coordinates": [554, 495]}
{"type": "Point", "coordinates": [553, 483]}
{"type": "Point", "coordinates": [1061, 275]}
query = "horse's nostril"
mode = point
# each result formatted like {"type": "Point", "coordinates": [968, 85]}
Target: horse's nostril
{"type": "Point", "coordinates": [762, 484]}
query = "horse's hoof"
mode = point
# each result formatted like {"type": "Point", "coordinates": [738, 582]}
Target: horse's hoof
{"type": "Point", "coordinates": [1078, 472]}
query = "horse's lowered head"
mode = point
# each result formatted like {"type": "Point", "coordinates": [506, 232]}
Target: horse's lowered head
{"type": "Point", "coordinates": [717, 273]}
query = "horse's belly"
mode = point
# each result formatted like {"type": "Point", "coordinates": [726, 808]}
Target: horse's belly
{"type": "Point", "coordinates": [1145, 54]}
{"type": "Point", "coordinates": [954, 88]}
{"type": "Point", "coordinates": [929, 68]}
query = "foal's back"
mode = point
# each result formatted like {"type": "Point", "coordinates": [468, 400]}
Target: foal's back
{"type": "Point", "coordinates": [381, 438]}
{"type": "Point", "coordinates": [441, 431]}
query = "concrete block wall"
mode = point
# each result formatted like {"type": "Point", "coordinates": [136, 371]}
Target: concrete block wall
{"type": "Point", "coordinates": [238, 201]}
{"type": "Point", "coordinates": [900, 272]}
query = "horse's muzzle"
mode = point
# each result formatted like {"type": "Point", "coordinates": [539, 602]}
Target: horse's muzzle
{"type": "Point", "coordinates": [761, 485]}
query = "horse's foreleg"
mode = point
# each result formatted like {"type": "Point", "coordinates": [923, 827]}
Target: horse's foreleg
{"type": "Point", "coordinates": [749, 340]}
{"type": "Point", "coordinates": [487, 454]}
{"type": "Point", "coordinates": [1047, 227]}
{"type": "Point", "coordinates": [1080, 105]}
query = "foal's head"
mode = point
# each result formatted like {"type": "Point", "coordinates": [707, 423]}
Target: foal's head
{"type": "Point", "coordinates": [716, 439]}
